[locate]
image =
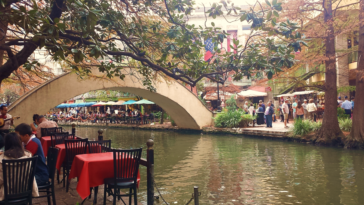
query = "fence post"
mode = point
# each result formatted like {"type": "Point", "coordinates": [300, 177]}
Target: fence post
{"type": "Point", "coordinates": [74, 129]}
{"type": "Point", "coordinates": [100, 137]}
{"type": "Point", "coordinates": [150, 172]}
{"type": "Point", "coordinates": [195, 194]}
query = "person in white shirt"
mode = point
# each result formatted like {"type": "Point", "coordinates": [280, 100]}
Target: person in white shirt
{"type": "Point", "coordinates": [251, 109]}
{"type": "Point", "coordinates": [311, 109]}
{"type": "Point", "coordinates": [347, 106]}
{"type": "Point", "coordinates": [285, 111]}
{"type": "Point", "coordinates": [304, 105]}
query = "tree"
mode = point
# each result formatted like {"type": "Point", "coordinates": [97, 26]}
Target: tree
{"type": "Point", "coordinates": [330, 132]}
{"type": "Point", "coordinates": [152, 35]}
{"type": "Point", "coordinates": [8, 96]}
{"type": "Point", "coordinates": [356, 137]}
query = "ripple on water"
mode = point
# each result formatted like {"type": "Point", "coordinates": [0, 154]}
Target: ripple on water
{"type": "Point", "coordinates": [244, 170]}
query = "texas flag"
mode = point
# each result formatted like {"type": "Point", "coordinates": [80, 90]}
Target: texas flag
{"type": "Point", "coordinates": [209, 47]}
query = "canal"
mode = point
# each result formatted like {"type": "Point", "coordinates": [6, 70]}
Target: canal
{"type": "Point", "coordinates": [243, 170]}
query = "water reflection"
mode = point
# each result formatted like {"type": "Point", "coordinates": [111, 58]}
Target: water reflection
{"type": "Point", "coordinates": [236, 170]}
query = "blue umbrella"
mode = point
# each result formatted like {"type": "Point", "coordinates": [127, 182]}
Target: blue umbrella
{"type": "Point", "coordinates": [129, 102]}
{"type": "Point", "coordinates": [63, 105]}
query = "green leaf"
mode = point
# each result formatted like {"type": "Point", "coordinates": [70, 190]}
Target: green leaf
{"type": "Point", "coordinates": [213, 24]}
{"type": "Point", "coordinates": [276, 13]}
{"type": "Point", "coordinates": [274, 2]}
{"type": "Point", "coordinates": [267, 2]}
{"type": "Point", "coordinates": [269, 15]}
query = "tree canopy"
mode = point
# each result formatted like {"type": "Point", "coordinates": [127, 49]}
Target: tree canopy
{"type": "Point", "coordinates": [151, 35]}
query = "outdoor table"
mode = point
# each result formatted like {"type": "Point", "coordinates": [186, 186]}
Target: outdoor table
{"type": "Point", "coordinates": [46, 143]}
{"type": "Point", "coordinates": [91, 170]}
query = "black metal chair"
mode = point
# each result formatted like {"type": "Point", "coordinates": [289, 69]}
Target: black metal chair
{"type": "Point", "coordinates": [18, 176]}
{"type": "Point", "coordinates": [73, 148]}
{"type": "Point", "coordinates": [126, 167]}
{"type": "Point", "coordinates": [99, 146]}
{"type": "Point", "coordinates": [49, 187]}
{"type": "Point", "coordinates": [49, 131]}
{"type": "Point", "coordinates": [59, 138]}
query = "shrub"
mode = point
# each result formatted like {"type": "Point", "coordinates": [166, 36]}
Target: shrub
{"type": "Point", "coordinates": [246, 119]}
{"type": "Point", "coordinates": [231, 103]}
{"type": "Point", "coordinates": [341, 114]}
{"type": "Point", "coordinates": [303, 127]}
{"type": "Point", "coordinates": [228, 119]}
{"type": "Point", "coordinates": [345, 124]}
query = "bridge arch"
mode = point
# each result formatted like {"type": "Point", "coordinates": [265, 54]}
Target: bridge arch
{"type": "Point", "coordinates": [182, 105]}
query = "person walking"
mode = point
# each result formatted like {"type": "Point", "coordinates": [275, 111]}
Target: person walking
{"type": "Point", "coordinates": [347, 106]}
{"type": "Point", "coordinates": [268, 114]}
{"type": "Point", "coordinates": [285, 110]}
{"type": "Point", "coordinates": [300, 111]}
{"type": "Point", "coordinates": [311, 109]}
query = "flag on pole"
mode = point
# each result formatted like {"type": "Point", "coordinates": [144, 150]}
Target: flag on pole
{"type": "Point", "coordinates": [209, 47]}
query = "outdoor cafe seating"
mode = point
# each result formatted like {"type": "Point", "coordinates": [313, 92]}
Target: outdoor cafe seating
{"type": "Point", "coordinates": [15, 171]}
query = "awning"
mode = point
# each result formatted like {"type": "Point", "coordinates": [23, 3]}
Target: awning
{"type": "Point", "coordinates": [145, 102]}
{"type": "Point", "coordinates": [63, 105]}
{"type": "Point", "coordinates": [110, 103]}
{"type": "Point", "coordinates": [307, 92]}
{"type": "Point", "coordinates": [99, 104]}
{"type": "Point", "coordinates": [286, 95]}
{"type": "Point", "coordinates": [129, 102]}
{"type": "Point", "coordinates": [120, 102]}
{"type": "Point", "coordinates": [252, 93]}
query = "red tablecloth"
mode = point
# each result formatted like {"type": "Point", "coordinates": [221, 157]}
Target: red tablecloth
{"type": "Point", "coordinates": [62, 155]}
{"type": "Point", "coordinates": [46, 143]}
{"type": "Point", "coordinates": [91, 170]}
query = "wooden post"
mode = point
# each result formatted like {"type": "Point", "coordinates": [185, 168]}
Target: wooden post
{"type": "Point", "coordinates": [100, 137]}
{"type": "Point", "coordinates": [195, 194]}
{"type": "Point", "coordinates": [150, 172]}
{"type": "Point", "coordinates": [74, 129]}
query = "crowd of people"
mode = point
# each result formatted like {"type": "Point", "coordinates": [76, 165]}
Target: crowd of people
{"type": "Point", "coordinates": [112, 116]}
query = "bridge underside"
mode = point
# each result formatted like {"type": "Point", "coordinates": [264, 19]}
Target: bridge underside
{"type": "Point", "coordinates": [183, 106]}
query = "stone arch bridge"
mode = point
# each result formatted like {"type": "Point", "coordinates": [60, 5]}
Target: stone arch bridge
{"type": "Point", "coordinates": [182, 105]}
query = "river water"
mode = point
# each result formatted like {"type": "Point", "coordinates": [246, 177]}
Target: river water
{"type": "Point", "coordinates": [243, 170]}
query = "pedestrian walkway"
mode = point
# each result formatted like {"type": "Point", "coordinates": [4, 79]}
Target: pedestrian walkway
{"type": "Point", "coordinates": [277, 130]}
{"type": "Point", "coordinates": [72, 197]}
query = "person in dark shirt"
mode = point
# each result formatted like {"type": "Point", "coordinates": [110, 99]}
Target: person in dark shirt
{"type": "Point", "coordinates": [33, 145]}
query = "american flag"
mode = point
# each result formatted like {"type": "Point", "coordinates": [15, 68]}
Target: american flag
{"type": "Point", "coordinates": [209, 47]}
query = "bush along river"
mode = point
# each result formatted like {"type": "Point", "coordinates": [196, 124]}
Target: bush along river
{"type": "Point", "coordinates": [243, 170]}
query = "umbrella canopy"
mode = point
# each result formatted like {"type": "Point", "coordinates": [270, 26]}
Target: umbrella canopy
{"type": "Point", "coordinates": [304, 92]}
{"type": "Point", "coordinates": [129, 102]}
{"type": "Point", "coordinates": [120, 102]}
{"type": "Point", "coordinates": [144, 102]}
{"type": "Point", "coordinates": [99, 104]}
{"type": "Point", "coordinates": [110, 103]}
{"type": "Point", "coordinates": [252, 93]}
{"type": "Point", "coordinates": [63, 105]}
{"type": "Point", "coordinates": [88, 104]}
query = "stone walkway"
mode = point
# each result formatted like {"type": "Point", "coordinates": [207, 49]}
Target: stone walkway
{"type": "Point", "coordinates": [72, 197]}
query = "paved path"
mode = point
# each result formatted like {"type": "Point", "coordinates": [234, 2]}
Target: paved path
{"type": "Point", "coordinates": [72, 197]}
{"type": "Point", "coordinates": [277, 130]}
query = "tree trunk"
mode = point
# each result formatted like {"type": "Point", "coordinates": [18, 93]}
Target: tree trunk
{"type": "Point", "coordinates": [356, 137]}
{"type": "Point", "coordinates": [330, 132]}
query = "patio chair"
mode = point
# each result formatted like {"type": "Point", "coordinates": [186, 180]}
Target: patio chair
{"type": "Point", "coordinates": [18, 187]}
{"type": "Point", "coordinates": [58, 138]}
{"type": "Point", "coordinates": [49, 131]}
{"type": "Point", "coordinates": [99, 146]}
{"type": "Point", "coordinates": [73, 148]}
{"type": "Point", "coordinates": [49, 187]}
{"type": "Point", "coordinates": [126, 167]}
